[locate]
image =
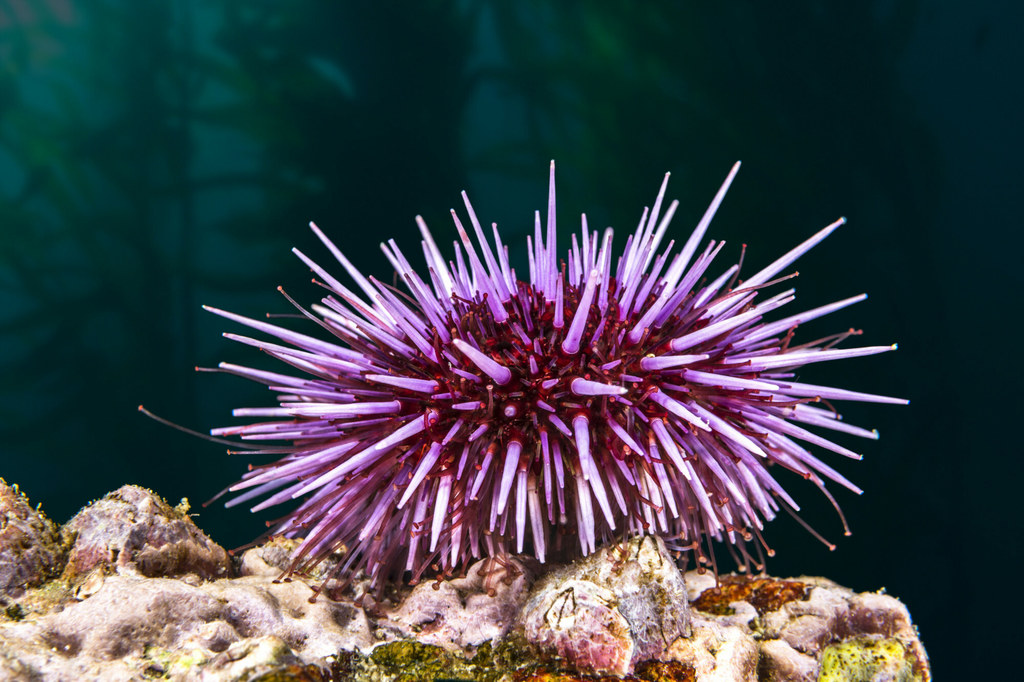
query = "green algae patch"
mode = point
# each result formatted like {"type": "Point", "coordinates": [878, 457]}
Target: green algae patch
{"type": "Point", "coordinates": [410, 661]}
{"type": "Point", "coordinates": [416, 662]}
{"type": "Point", "coordinates": [293, 673]}
{"type": "Point", "coordinates": [506, 660]}
{"type": "Point", "coordinates": [163, 663]}
{"type": "Point", "coordinates": [865, 659]}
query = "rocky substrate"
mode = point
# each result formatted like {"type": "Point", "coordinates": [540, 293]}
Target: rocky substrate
{"type": "Point", "coordinates": [131, 589]}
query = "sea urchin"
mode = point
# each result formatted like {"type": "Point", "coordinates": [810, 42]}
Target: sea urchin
{"type": "Point", "coordinates": [478, 413]}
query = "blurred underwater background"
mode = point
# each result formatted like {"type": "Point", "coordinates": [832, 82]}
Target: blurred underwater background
{"type": "Point", "coordinates": [156, 156]}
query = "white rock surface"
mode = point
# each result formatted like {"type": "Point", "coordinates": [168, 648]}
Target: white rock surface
{"type": "Point", "coordinates": [143, 622]}
{"type": "Point", "coordinates": [139, 601]}
{"type": "Point", "coordinates": [462, 613]}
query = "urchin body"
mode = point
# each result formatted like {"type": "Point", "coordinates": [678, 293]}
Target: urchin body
{"type": "Point", "coordinates": [476, 413]}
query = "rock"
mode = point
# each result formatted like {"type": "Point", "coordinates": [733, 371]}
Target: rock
{"type": "Point", "coordinates": [717, 651]}
{"type": "Point", "coordinates": [607, 612]}
{"type": "Point", "coordinates": [580, 622]}
{"type": "Point", "coordinates": [126, 615]}
{"type": "Point", "coordinates": [625, 609]}
{"type": "Point", "coordinates": [873, 659]}
{"type": "Point", "coordinates": [30, 546]}
{"type": "Point", "coordinates": [462, 613]}
{"type": "Point", "coordinates": [780, 661]}
{"type": "Point", "coordinates": [219, 629]}
{"type": "Point", "coordinates": [802, 629]}
{"type": "Point", "coordinates": [313, 629]}
{"type": "Point", "coordinates": [260, 656]}
{"type": "Point", "coordinates": [133, 531]}
{"type": "Point", "coordinates": [832, 614]}
{"type": "Point", "coordinates": [272, 558]}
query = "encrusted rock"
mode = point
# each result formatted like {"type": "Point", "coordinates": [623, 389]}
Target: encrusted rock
{"type": "Point", "coordinates": [605, 613]}
{"type": "Point", "coordinates": [717, 651]}
{"type": "Point", "coordinates": [462, 613]}
{"type": "Point", "coordinates": [126, 615]}
{"type": "Point", "coordinates": [256, 606]}
{"type": "Point", "coordinates": [176, 630]}
{"type": "Point", "coordinates": [832, 613]}
{"type": "Point", "coordinates": [624, 609]}
{"type": "Point", "coordinates": [133, 531]}
{"type": "Point", "coordinates": [867, 658]}
{"type": "Point", "coordinates": [780, 661]}
{"type": "Point", "coordinates": [30, 547]}
{"type": "Point", "coordinates": [271, 558]}
{"type": "Point", "coordinates": [257, 659]}
{"type": "Point", "coordinates": [867, 636]}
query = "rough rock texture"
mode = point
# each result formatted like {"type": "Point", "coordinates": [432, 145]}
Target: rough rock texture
{"type": "Point", "coordinates": [30, 546]}
{"type": "Point", "coordinates": [605, 613]}
{"type": "Point", "coordinates": [133, 531]}
{"type": "Point", "coordinates": [804, 630]}
{"type": "Point", "coordinates": [181, 628]}
{"type": "Point", "coordinates": [139, 598]}
{"type": "Point", "coordinates": [462, 613]}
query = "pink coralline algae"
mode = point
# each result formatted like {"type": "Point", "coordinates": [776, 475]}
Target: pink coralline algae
{"type": "Point", "coordinates": [623, 604]}
{"type": "Point", "coordinates": [476, 414]}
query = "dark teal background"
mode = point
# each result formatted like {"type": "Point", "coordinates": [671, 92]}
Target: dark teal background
{"type": "Point", "coordinates": [157, 155]}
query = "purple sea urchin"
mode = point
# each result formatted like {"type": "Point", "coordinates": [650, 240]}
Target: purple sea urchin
{"type": "Point", "coordinates": [479, 414]}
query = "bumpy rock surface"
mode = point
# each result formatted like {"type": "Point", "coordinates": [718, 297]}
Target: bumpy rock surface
{"type": "Point", "coordinates": [804, 630]}
{"type": "Point", "coordinates": [119, 624]}
{"type": "Point", "coordinates": [30, 546]}
{"type": "Point", "coordinates": [463, 613]}
{"type": "Point", "coordinates": [605, 613]}
{"type": "Point", "coordinates": [140, 598]}
{"type": "Point", "coordinates": [133, 531]}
